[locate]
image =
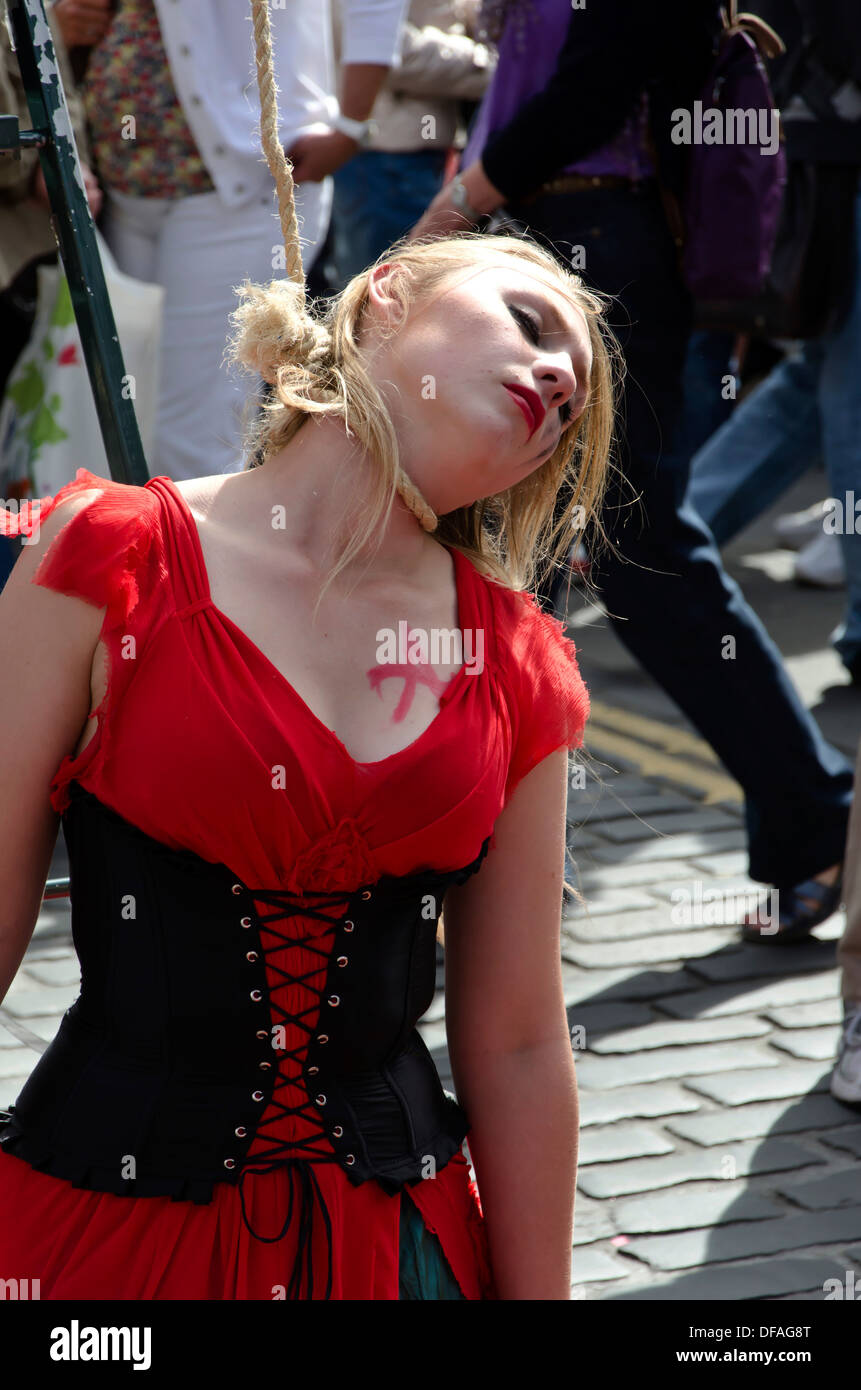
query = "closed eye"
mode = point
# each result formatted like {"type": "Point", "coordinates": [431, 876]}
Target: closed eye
{"type": "Point", "coordinates": [530, 325]}
{"type": "Point", "coordinates": [532, 329]}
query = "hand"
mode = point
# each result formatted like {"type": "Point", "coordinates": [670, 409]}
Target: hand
{"type": "Point", "coordinates": [442, 217]}
{"type": "Point", "coordinates": [91, 184]}
{"type": "Point", "coordinates": [317, 154]}
{"type": "Point", "coordinates": [83, 23]}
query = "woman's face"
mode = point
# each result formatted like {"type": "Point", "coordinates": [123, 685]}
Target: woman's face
{"type": "Point", "coordinates": [481, 380]}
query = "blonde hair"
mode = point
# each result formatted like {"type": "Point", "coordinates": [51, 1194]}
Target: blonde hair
{"type": "Point", "coordinates": [312, 356]}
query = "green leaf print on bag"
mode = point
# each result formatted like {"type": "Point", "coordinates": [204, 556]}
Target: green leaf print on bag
{"type": "Point", "coordinates": [28, 394]}
{"type": "Point", "coordinates": [63, 314]}
{"type": "Point", "coordinates": [28, 390]}
{"type": "Point", "coordinates": [45, 429]}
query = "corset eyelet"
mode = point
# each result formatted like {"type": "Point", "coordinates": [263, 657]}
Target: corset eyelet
{"type": "Point", "coordinates": [338, 1131]}
{"type": "Point", "coordinates": [366, 894]}
{"type": "Point", "coordinates": [312, 1071]}
{"type": "Point", "coordinates": [257, 1095]}
{"type": "Point", "coordinates": [251, 955]}
{"type": "Point", "coordinates": [230, 1163]}
{"type": "Point", "coordinates": [240, 1131]}
{"type": "Point", "coordinates": [322, 1037]}
{"type": "Point", "coordinates": [350, 1158]}
{"type": "Point", "coordinates": [320, 1100]}
{"type": "Point", "coordinates": [237, 889]}
{"type": "Point", "coordinates": [348, 925]}
{"type": "Point", "coordinates": [265, 1066]}
{"type": "Point", "coordinates": [334, 1000]}
{"type": "Point", "coordinates": [256, 995]}
{"type": "Point", "coordinates": [262, 1035]}
{"type": "Point", "coordinates": [342, 961]}
{"type": "Point", "coordinates": [245, 921]}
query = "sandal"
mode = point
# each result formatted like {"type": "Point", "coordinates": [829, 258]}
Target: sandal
{"type": "Point", "coordinates": [796, 917]}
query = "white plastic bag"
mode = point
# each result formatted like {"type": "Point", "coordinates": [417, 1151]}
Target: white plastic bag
{"type": "Point", "coordinates": [48, 422]}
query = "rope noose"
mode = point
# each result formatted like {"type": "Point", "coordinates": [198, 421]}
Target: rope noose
{"type": "Point", "coordinates": [282, 173]}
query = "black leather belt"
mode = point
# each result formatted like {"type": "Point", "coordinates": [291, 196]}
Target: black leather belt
{"type": "Point", "coordinates": [581, 183]}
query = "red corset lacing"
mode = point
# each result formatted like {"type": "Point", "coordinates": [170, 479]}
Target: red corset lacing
{"type": "Point", "coordinates": [290, 964]}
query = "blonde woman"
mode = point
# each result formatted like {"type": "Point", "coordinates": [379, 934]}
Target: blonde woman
{"type": "Point", "coordinates": [282, 777]}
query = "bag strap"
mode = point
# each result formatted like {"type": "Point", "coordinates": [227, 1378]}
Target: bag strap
{"type": "Point", "coordinates": [767, 40]}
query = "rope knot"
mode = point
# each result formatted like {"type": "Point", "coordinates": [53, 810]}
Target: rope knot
{"type": "Point", "coordinates": [316, 343]}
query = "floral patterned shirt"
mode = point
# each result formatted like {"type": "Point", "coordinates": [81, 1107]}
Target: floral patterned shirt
{"type": "Point", "coordinates": [141, 141]}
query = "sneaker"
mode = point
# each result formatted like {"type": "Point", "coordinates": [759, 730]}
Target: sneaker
{"type": "Point", "coordinates": [796, 529]}
{"type": "Point", "coordinates": [846, 1077]}
{"type": "Point", "coordinates": [821, 563]}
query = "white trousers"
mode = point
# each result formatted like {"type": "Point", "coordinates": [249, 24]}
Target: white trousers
{"type": "Point", "coordinates": [198, 249]}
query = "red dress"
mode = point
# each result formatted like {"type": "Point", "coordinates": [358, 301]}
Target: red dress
{"type": "Point", "coordinates": [205, 746]}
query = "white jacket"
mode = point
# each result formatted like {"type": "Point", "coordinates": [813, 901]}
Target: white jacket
{"type": "Point", "coordinates": [210, 49]}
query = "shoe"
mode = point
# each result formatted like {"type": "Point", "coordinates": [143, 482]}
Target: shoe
{"type": "Point", "coordinates": [845, 1081]}
{"type": "Point", "coordinates": [820, 563]}
{"type": "Point", "coordinates": [796, 529]}
{"type": "Point", "coordinates": [796, 918]}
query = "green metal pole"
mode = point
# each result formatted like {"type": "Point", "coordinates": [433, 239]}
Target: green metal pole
{"type": "Point", "coordinates": [75, 233]}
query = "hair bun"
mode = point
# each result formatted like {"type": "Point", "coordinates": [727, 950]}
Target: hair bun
{"type": "Point", "coordinates": [275, 329]}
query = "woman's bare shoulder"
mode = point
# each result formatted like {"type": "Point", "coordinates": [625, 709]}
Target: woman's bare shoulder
{"type": "Point", "coordinates": [221, 499]}
{"type": "Point", "coordinates": [200, 493]}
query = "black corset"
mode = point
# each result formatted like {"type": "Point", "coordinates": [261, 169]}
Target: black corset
{"type": "Point", "coordinates": [167, 1058]}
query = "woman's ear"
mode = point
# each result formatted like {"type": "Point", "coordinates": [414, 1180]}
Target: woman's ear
{"type": "Point", "coordinates": [386, 287]}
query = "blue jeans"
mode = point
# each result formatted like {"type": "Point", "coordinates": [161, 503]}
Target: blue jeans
{"type": "Point", "coordinates": [379, 197]}
{"type": "Point", "coordinates": [808, 408]}
{"type": "Point", "coordinates": [705, 409]}
{"type": "Point", "coordinates": [667, 595]}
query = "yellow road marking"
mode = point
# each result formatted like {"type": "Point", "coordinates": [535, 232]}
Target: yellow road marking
{"type": "Point", "coordinates": [659, 749]}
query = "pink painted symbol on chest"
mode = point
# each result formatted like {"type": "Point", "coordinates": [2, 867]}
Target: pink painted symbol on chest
{"type": "Point", "coordinates": [413, 674]}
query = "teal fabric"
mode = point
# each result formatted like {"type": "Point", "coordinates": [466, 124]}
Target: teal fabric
{"type": "Point", "coordinates": [424, 1270]}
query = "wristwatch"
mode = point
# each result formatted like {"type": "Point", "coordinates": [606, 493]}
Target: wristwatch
{"type": "Point", "coordinates": [362, 132]}
{"type": "Point", "coordinates": [461, 201]}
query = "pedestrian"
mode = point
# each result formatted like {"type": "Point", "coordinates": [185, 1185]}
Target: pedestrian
{"type": "Point", "coordinates": [264, 815]}
{"type": "Point", "coordinates": [170, 101]}
{"type": "Point", "coordinates": [379, 193]}
{"type": "Point", "coordinates": [810, 406]}
{"type": "Point", "coordinates": [573, 141]}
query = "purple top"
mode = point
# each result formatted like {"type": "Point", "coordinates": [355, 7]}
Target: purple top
{"type": "Point", "coordinates": [528, 49]}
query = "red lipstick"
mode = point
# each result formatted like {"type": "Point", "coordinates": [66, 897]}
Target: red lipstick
{"type": "Point", "coordinates": [530, 403]}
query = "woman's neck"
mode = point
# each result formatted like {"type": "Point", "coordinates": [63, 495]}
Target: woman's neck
{"type": "Point", "coordinates": [322, 478]}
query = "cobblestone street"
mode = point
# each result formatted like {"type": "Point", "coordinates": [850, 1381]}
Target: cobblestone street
{"type": "Point", "coordinates": [713, 1163]}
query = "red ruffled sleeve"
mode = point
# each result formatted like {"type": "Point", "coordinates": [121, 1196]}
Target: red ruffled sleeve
{"type": "Point", "coordinates": [110, 554]}
{"type": "Point", "coordinates": [550, 702]}
{"type": "Point", "coordinates": [100, 554]}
